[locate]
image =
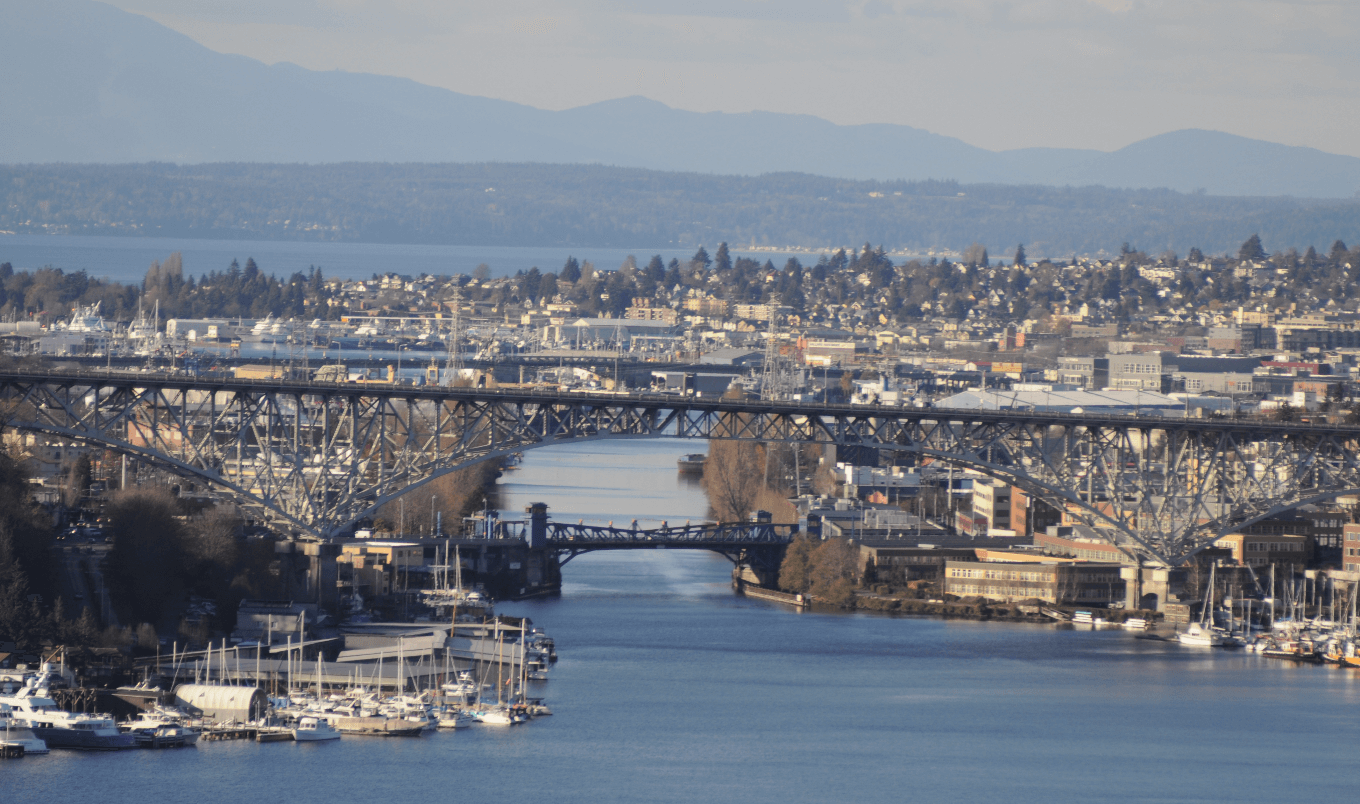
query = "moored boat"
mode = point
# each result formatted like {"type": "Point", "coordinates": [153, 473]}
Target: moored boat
{"type": "Point", "coordinates": [34, 704]}
{"type": "Point", "coordinates": [17, 733]}
{"type": "Point", "coordinates": [314, 730]}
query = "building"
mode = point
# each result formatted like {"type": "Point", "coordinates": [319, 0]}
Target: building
{"type": "Point", "coordinates": [644, 311]}
{"type": "Point", "coordinates": [1084, 372]}
{"type": "Point", "coordinates": [992, 503]}
{"type": "Point", "coordinates": [1051, 581]}
{"type": "Point", "coordinates": [610, 332]}
{"type": "Point", "coordinates": [1219, 375]}
{"type": "Point", "coordinates": [1260, 550]}
{"type": "Point", "coordinates": [1078, 542]}
{"type": "Point", "coordinates": [896, 563]}
{"type": "Point", "coordinates": [1142, 371]}
{"type": "Point", "coordinates": [1350, 550]}
{"type": "Point", "coordinates": [273, 621]}
{"type": "Point", "coordinates": [707, 306]}
{"type": "Point", "coordinates": [1325, 526]}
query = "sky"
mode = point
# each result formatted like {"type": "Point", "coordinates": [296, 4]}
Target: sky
{"type": "Point", "coordinates": [999, 74]}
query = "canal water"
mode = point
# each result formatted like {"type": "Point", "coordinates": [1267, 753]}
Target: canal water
{"type": "Point", "coordinates": [671, 689]}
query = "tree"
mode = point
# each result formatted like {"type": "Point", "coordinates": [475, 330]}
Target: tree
{"type": "Point", "coordinates": [147, 562]}
{"type": "Point", "coordinates": [1195, 255]}
{"type": "Point", "coordinates": [571, 271]}
{"type": "Point", "coordinates": [701, 260]}
{"type": "Point", "coordinates": [482, 272]}
{"type": "Point", "coordinates": [732, 478]}
{"type": "Point", "coordinates": [78, 479]}
{"type": "Point", "coordinates": [794, 570]}
{"type": "Point", "coordinates": [1020, 254]}
{"type": "Point", "coordinates": [976, 256]}
{"type": "Point", "coordinates": [1252, 250]}
{"type": "Point", "coordinates": [834, 569]}
{"type": "Point", "coordinates": [722, 262]}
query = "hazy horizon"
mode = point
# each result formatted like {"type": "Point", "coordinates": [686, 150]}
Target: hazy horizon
{"type": "Point", "coordinates": [1093, 74]}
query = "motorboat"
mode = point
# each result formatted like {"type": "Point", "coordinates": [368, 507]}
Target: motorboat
{"type": "Point", "coordinates": [162, 727]}
{"type": "Point", "coordinates": [33, 703]}
{"type": "Point", "coordinates": [1136, 624]}
{"type": "Point", "coordinates": [455, 719]}
{"type": "Point", "coordinates": [495, 716]}
{"type": "Point", "coordinates": [1199, 636]}
{"type": "Point", "coordinates": [314, 730]}
{"type": "Point", "coordinates": [17, 732]}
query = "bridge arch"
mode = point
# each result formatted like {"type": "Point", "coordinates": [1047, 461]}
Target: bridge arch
{"type": "Point", "coordinates": [320, 455]}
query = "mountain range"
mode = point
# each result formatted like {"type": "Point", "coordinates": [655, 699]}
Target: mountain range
{"type": "Point", "coordinates": [87, 82]}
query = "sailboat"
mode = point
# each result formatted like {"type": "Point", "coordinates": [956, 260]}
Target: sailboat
{"type": "Point", "coordinates": [1202, 633]}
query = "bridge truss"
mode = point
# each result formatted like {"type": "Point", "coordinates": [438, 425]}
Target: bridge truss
{"type": "Point", "coordinates": [758, 545]}
{"type": "Point", "coordinates": [320, 456]}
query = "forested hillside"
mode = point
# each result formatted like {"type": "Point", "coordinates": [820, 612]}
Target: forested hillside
{"type": "Point", "coordinates": [573, 205]}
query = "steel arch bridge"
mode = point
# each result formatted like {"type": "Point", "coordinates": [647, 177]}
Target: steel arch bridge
{"type": "Point", "coordinates": [320, 456]}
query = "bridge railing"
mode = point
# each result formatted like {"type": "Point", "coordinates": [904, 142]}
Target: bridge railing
{"type": "Point", "coordinates": [567, 535]}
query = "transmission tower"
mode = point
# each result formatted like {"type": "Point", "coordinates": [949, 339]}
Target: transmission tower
{"type": "Point", "coordinates": [772, 380]}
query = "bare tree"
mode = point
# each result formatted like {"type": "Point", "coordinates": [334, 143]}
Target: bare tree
{"type": "Point", "coordinates": [732, 478]}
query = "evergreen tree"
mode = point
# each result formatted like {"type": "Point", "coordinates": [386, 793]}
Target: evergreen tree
{"type": "Point", "coordinates": [571, 272]}
{"type": "Point", "coordinates": [701, 260]}
{"type": "Point", "coordinates": [1252, 250]}
{"type": "Point", "coordinates": [722, 262]}
{"type": "Point", "coordinates": [1020, 254]}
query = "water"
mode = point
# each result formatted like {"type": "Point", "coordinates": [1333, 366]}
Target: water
{"type": "Point", "coordinates": [670, 689]}
{"type": "Point", "coordinates": [125, 259]}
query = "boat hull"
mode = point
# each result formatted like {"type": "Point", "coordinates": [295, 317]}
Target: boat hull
{"type": "Point", "coordinates": [378, 726]}
{"type": "Point", "coordinates": [84, 740]}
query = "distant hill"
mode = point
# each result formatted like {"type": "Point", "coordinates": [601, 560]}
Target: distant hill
{"type": "Point", "coordinates": [86, 82]}
{"type": "Point", "coordinates": [593, 205]}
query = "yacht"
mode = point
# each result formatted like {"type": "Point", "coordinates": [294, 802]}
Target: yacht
{"type": "Point", "coordinates": [87, 319]}
{"type": "Point", "coordinates": [17, 732]}
{"type": "Point", "coordinates": [33, 703]}
{"type": "Point", "coordinates": [314, 730]}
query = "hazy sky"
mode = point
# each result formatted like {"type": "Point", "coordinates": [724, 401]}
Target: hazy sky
{"type": "Point", "coordinates": [996, 73]}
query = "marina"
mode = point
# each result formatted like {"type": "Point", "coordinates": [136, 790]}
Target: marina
{"type": "Point", "coordinates": [665, 674]}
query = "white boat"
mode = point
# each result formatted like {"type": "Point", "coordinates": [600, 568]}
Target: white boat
{"type": "Point", "coordinates": [162, 727]}
{"type": "Point", "coordinates": [1082, 618]}
{"type": "Point", "coordinates": [455, 719]}
{"type": "Point", "coordinates": [1202, 634]}
{"type": "Point", "coordinates": [314, 730]}
{"type": "Point", "coordinates": [1198, 636]}
{"type": "Point", "coordinates": [34, 704]}
{"type": "Point", "coordinates": [17, 732]}
{"type": "Point", "coordinates": [1136, 624]}
{"type": "Point", "coordinates": [495, 716]}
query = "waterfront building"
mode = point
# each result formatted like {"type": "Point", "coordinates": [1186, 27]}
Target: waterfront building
{"type": "Point", "coordinates": [1042, 578]}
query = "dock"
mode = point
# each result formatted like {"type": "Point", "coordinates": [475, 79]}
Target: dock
{"type": "Point", "coordinates": [773, 595]}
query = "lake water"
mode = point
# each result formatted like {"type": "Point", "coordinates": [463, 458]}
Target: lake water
{"type": "Point", "coordinates": [672, 689]}
{"type": "Point", "coordinates": [125, 259]}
